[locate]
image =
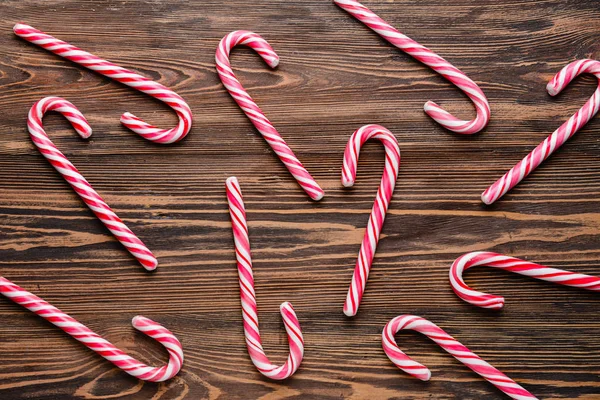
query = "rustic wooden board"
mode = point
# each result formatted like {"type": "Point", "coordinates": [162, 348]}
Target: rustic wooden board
{"type": "Point", "coordinates": [335, 75]}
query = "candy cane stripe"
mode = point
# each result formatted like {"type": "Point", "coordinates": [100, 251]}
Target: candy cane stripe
{"type": "Point", "coordinates": [119, 74]}
{"type": "Point", "coordinates": [433, 61]}
{"type": "Point", "coordinates": [511, 264]}
{"type": "Point", "coordinates": [79, 184]}
{"type": "Point", "coordinates": [382, 201]}
{"type": "Point", "coordinates": [239, 226]}
{"type": "Point", "coordinates": [558, 137]}
{"type": "Point", "coordinates": [452, 346]}
{"type": "Point", "coordinates": [99, 345]}
{"type": "Point", "coordinates": [253, 112]}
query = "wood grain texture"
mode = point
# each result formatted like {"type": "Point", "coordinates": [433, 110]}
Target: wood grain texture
{"type": "Point", "coordinates": [335, 75]}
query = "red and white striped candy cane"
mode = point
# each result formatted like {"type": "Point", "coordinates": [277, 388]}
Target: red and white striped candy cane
{"type": "Point", "coordinates": [452, 346]}
{"type": "Point", "coordinates": [125, 76]}
{"type": "Point", "coordinates": [433, 61]}
{"type": "Point", "coordinates": [511, 264]}
{"type": "Point", "coordinates": [253, 112]}
{"type": "Point", "coordinates": [558, 137]}
{"type": "Point", "coordinates": [382, 201]}
{"type": "Point", "coordinates": [237, 212]}
{"type": "Point", "coordinates": [81, 186]}
{"type": "Point", "coordinates": [95, 342]}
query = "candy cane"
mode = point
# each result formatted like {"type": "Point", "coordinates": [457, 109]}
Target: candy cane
{"type": "Point", "coordinates": [452, 346]}
{"type": "Point", "coordinates": [433, 61]}
{"type": "Point", "coordinates": [237, 212]}
{"type": "Point", "coordinates": [95, 342]}
{"type": "Point", "coordinates": [511, 264]}
{"type": "Point", "coordinates": [558, 137]}
{"type": "Point", "coordinates": [253, 112]}
{"type": "Point", "coordinates": [382, 201]}
{"type": "Point", "coordinates": [125, 76]}
{"type": "Point", "coordinates": [81, 186]}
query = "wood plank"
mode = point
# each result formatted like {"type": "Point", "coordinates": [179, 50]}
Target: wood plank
{"type": "Point", "coordinates": [335, 75]}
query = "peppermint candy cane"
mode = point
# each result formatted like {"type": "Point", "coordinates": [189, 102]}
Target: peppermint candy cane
{"type": "Point", "coordinates": [96, 343]}
{"type": "Point", "coordinates": [558, 137]}
{"type": "Point", "coordinates": [125, 76]}
{"type": "Point", "coordinates": [511, 264]}
{"type": "Point", "coordinates": [81, 186]}
{"type": "Point", "coordinates": [253, 112]}
{"type": "Point", "coordinates": [237, 212]}
{"type": "Point", "coordinates": [452, 346]}
{"type": "Point", "coordinates": [382, 201]}
{"type": "Point", "coordinates": [433, 61]}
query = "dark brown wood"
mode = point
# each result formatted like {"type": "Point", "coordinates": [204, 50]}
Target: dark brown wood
{"type": "Point", "coordinates": [335, 75]}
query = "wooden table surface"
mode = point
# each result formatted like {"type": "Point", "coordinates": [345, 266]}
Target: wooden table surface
{"type": "Point", "coordinates": [335, 75]}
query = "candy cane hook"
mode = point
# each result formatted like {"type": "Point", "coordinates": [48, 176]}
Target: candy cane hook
{"type": "Point", "coordinates": [382, 201]}
{"type": "Point", "coordinates": [253, 112]}
{"type": "Point", "coordinates": [433, 61]}
{"type": "Point", "coordinates": [452, 346]}
{"type": "Point", "coordinates": [237, 212]}
{"type": "Point", "coordinates": [96, 343]}
{"type": "Point", "coordinates": [511, 264]}
{"type": "Point", "coordinates": [558, 137]}
{"type": "Point", "coordinates": [81, 186]}
{"type": "Point", "coordinates": [125, 76]}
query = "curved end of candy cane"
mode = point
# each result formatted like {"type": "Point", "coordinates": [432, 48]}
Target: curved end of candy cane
{"type": "Point", "coordinates": [295, 339]}
{"type": "Point", "coordinates": [492, 303]}
{"type": "Point", "coordinates": [139, 321]}
{"type": "Point", "coordinates": [250, 39]}
{"type": "Point", "coordinates": [154, 134]}
{"type": "Point", "coordinates": [397, 356]}
{"type": "Point", "coordinates": [478, 299]}
{"type": "Point", "coordinates": [462, 290]}
{"type": "Point", "coordinates": [272, 62]}
{"type": "Point", "coordinates": [288, 313]}
{"type": "Point", "coordinates": [484, 300]}
{"type": "Point", "coordinates": [63, 107]}
{"type": "Point", "coordinates": [168, 340]}
{"type": "Point", "coordinates": [453, 124]}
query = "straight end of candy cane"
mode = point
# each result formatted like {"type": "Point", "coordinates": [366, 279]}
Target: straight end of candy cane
{"type": "Point", "coordinates": [348, 311]}
{"type": "Point", "coordinates": [347, 181]}
{"type": "Point", "coordinates": [150, 265]}
{"type": "Point", "coordinates": [552, 89]}
{"type": "Point", "coordinates": [317, 196]}
{"type": "Point", "coordinates": [20, 27]}
{"type": "Point", "coordinates": [232, 180]}
{"type": "Point", "coordinates": [286, 308]}
{"type": "Point", "coordinates": [86, 134]}
{"type": "Point", "coordinates": [487, 197]}
{"type": "Point", "coordinates": [425, 376]}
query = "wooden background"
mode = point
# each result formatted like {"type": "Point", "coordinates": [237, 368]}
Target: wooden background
{"type": "Point", "coordinates": [335, 75]}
